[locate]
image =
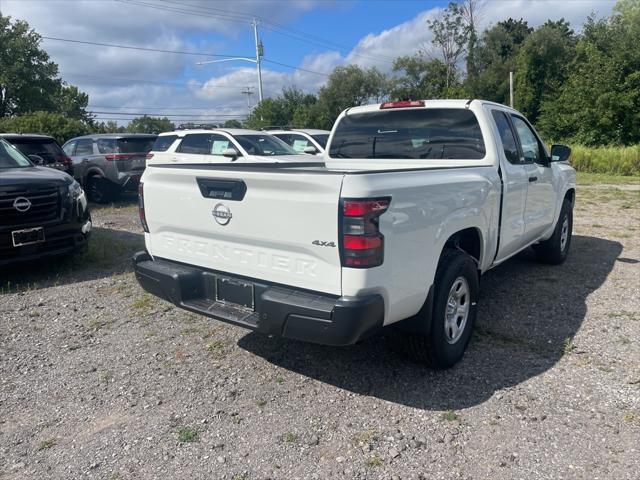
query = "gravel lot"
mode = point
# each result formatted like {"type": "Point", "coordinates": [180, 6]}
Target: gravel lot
{"type": "Point", "coordinates": [100, 380]}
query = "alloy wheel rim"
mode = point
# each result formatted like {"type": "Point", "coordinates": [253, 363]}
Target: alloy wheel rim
{"type": "Point", "coordinates": [564, 235]}
{"type": "Point", "coordinates": [457, 311]}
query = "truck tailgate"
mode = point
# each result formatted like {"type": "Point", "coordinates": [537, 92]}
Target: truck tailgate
{"type": "Point", "coordinates": [258, 223]}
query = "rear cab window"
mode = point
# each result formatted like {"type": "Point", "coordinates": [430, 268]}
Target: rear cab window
{"type": "Point", "coordinates": [420, 134]}
{"type": "Point", "coordinates": [205, 144]}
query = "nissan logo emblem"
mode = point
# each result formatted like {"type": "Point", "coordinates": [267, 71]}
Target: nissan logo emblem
{"type": "Point", "coordinates": [222, 214]}
{"type": "Point", "coordinates": [21, 204]}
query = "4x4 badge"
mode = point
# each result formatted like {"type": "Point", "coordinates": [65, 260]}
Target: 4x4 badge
{"type": "Point", "coordinates": [222, 214]}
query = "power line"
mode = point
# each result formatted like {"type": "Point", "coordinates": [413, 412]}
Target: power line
{"type": "Point", "coordinates": [130, 47]}
{"type": "Point", "coordinates": [152, 107]}
{"type": "Point", "coordinates": [295, 68]}
{"type": "Point", "coordinates": [168, 114]}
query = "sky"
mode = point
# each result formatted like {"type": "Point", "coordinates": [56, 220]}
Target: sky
{"type": "Point", "coordinates": [303, 41]}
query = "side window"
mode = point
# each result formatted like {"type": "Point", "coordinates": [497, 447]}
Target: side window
{"type": "Point", "coordinates": [84, 147]}
{"type": "Point", "coordinates": [106, 145]}
{"type": "Point", "coordinates": [286, 138]}
{"type": "Point", "coordinates": [196, 143]}
{"type": "Point", "coordinates": [528, 141]}
{"type": "Point", "coordinates": [219, 143]}
{"type": "Point", "coordinates": [299, 143]}
{"type": "Point", "coordinates": [69, 149]}
{"type": "Point", "coordinates": [509, 144]}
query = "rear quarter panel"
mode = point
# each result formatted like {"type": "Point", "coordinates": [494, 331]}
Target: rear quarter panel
{"type": "Point", "coordinates": [427, 207]}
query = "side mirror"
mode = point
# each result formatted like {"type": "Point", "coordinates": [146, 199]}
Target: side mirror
{"type": "Point", "coordinates": [231, 153]}
{"type": "Point", "coordinates": [560, 153]}
{"type": "Point", "coordinates": [310, 150]}
{"type": "Point", "coordinates": [37, 159]}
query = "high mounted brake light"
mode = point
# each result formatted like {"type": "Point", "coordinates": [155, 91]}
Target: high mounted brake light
{"type": "Point", "coordinates": [362, 244]}
{"type": "Point", "coordinates": [402, 104]}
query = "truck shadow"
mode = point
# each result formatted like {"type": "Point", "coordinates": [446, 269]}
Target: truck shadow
{"type": "Point", "coordinates": [529, 312]}
{"type": "Point", "coordinates": [109, 253]}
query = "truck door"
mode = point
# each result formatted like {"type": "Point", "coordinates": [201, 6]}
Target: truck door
{"type": "Point", "coordinates": [541, 196]}
{"type": "Point", "coordinates": [515, 180]}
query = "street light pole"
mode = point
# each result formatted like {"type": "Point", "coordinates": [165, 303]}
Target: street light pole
{"type": "Point", "coordinates": [259, 53]}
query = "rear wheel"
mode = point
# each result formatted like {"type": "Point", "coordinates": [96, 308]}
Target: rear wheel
{"type": "Point", "coordinates": [100, 190]}
{"type": "Point", "coordinates": [556, 249]}
{"type": "Point", "coordinates": [456, 290]}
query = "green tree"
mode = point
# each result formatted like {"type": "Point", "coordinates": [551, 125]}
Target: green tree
{"type": "Point", "coordinates": [600, 101]}
{"type": "Point", "coordinates": [348, 86]}
{"type": "Point", "coordinates": [147, 124]}
{"type": "Point", "coordinates": [29, 79]}
{"type": "Point", "coordinates": [542, 66]}
{"type": "Point", "coordinates": [291, 107]}
{"type": "Point", "coordinates": [110, 126]}
{"type": "Point", "coordinates": [450, 36]}
{"type": "Point", "coordinates": [495, 57]}
{"type": "Point", "coordinates": [232, 124]}
{"type": "Point", "coordinates": [420, 78]}
{"type": "Point", "coordinates": [57, 125]}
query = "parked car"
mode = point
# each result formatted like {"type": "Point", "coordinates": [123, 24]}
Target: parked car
{"type": "Point", "coordinates": [309, 141]}
{"type": "Point", "coordinates": [416, 201]}
{"type": "Point", "coordinates": [222, 145]}
{"type": "Point", "coordinates": [108, 164]}
{"type": "Point", "coordinates": [43, 212]}
{"type": "Point", "coordinates": [41, 150]}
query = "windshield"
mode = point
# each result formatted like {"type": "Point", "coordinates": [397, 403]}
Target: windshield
{"type": "Point", "coordinates": [264, 145]}
{"type": "Point", "coordinates": [10, 157]}
{"type": "Point", "coordinates": [135, 145]}
{"type": "Point", "coordinates": [432, 133]}
{"type": "Point", "coordinates": [48, 149]}
{"type": "Point", "coordinates": [322, 139]}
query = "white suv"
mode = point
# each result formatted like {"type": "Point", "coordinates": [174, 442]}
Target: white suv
{"type": "Point", "coordinates": [221, 146]}
{"type": "Point", "coordinates": [310, 141]}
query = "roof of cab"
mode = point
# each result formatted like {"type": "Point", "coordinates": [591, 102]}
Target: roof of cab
{"type": "Point", "coordinates": [230, 131]}
{"type": "Point", "coordinates": [462, 103]}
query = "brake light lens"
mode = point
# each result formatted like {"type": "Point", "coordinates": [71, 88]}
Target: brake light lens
{"type": "Point", "coordinates": [402, 104]}
{"type": "Point", "coordinates": [149, 156]}
{"type": "Point", "coordinates": [63, 159]}
{"type": "Point", "coordinates": [362, 243]}
{"type": "Point", "coordinates": [143, 216]}
{"type": "Point", "coordinates": [118, 156]}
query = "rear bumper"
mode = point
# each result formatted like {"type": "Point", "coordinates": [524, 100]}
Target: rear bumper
{"type": "Point", "coordinates": [276, 310]}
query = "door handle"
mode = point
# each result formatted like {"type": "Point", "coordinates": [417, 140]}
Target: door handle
{"type": "Point", "coordinates": [532, 179]}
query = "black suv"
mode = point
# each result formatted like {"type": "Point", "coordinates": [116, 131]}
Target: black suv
{"type": "Point", "coordinates": [41, 150]}
{"type": "Point", "coordinates": [107, 164]}
{"type": "Point", "coordinates": [43, 212]}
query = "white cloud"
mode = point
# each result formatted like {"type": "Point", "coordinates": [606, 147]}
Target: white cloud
{"type": "Point", "coordinates": [96, 70]}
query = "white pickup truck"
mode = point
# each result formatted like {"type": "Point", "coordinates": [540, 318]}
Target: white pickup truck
{"type": "Point", "coordinates": [414, 200]}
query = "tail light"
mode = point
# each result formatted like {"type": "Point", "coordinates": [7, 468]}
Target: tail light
{"type": "Point", "coordinates": [118, 156]}
{"type": "Point", "coordinates": [149, 156]}
{"type": "Point", "coordinates": [362, 242]}
{"type": "Point", "coordinates": [63, 159]}
{"type": "Point", "coordinates": [143, 216]}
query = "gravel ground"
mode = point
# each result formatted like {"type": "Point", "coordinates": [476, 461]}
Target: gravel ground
{"type": "Point", "coordinates": [100, 380]}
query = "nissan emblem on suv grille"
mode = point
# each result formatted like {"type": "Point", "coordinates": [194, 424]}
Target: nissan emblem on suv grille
{"type": "Point", "coordinates": [222, 214]}
{"type": "Point", "coordinates": [21, 204]}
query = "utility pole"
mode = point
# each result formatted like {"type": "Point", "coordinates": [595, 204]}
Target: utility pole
{"type": "Point", "coordinates": [511, 89]}
{"type": "Point", "coordinates": [248, 91]}
{"type": "Point", "coordinates": [259, 54]}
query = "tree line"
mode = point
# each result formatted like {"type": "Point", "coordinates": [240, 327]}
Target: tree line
{"type": "Point", "coordinates": [578, 87]}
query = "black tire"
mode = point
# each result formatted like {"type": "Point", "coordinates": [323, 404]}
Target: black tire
{"type": "Point", "coordinates": [435, 349]}
{"type": "Point", "coordinates": [99, 190]}
{"type": "Point", "coordinates": [554, 251]}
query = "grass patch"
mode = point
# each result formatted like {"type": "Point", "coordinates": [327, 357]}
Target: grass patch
{"type": "Point", "coordinates": [144, 302]}
{"type": "Point", "coordinates": [96, 324]}
{"type": "Point", "coordinates": [449, 416]}
{"type": "Point", "coordinates": [47, 444]}
{"type": "Point", "coordinates": [261, 403]}
{"type": "Point", "coordinates": [187, 435]}
{"type": "Point", "coordinates": [107, 249]}
{"type": "Point", "coordinates": [365, 437]}
{"type": "Point", "coordinates": [216, 349]}
{"type": "Point", "coordinates": [289, 438]}
{"type": "Point", "coordinates": [568, 346]}
{"type": "Point", "coordinates": [607, 160]}
{"type": "Point", "coordinates": [279, 380]}
{"type": "Point", "coordinates": [374, 461]}
{"type": "Point", "coordinates": [631, 417]}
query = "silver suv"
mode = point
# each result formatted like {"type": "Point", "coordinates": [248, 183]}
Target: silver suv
{"type": "Point", "coordinates": [107, 164]}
